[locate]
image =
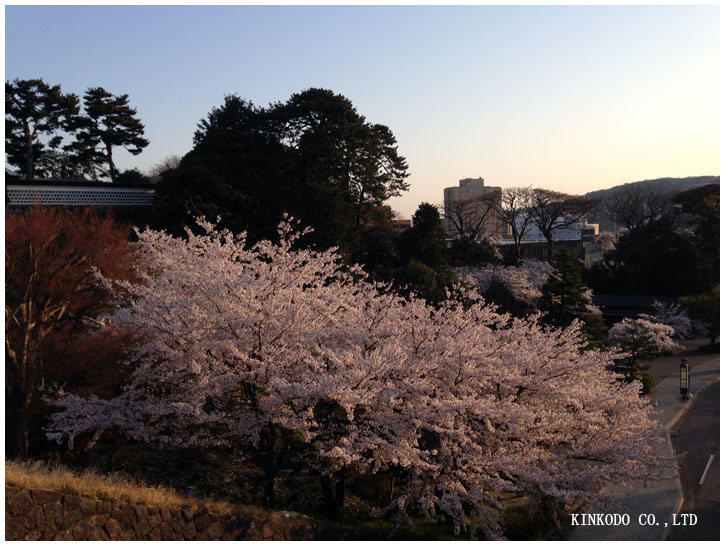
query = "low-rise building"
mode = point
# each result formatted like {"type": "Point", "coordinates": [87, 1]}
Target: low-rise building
{"type": "Point", "coordinates": [581, 230]}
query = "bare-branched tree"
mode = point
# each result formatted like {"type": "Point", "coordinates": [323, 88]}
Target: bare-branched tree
{"type": "Point", "coordinates": [553, 210]}
{"type": "Point", "coordinates": [169, 163]}
{"type": "Point", "coordinates": [469, 218]}
{"type": "Point", "coordinates": [637, 205]}
{"type": "Point", "coordinates": [516, 212]}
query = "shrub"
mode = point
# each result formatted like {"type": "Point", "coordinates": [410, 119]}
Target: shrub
{"type": "Point", "coordinates": [710, 348]}
{"type": "Point", "coordinates": [647, 379]}
{"type": "Point", "coordinates": [648, 382]}
{"type": "Point", "coordinates": [52, 295]}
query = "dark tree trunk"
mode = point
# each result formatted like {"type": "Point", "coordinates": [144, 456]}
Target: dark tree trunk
{"type": "Point", "coordinates": [115, 452]}
{"type": "Point", "coordinates": [270, 499]}
{"type": "Point", "coordinates": [273, 457]}
{"type": "Point", "coordinates": [633, 361]}
{"type": "Point", "coordinates": [24, 436]}
{"type": "Point", "coordinates": [549, 248]}
{"type": "Point", "coordinates": [327, 496]}
{"type": "Point", "coordinates": [270, 473]}
{"type": "Point", "coordinates": [29, 160]}
{"type": "Point", "coordinates": [334, 501]}
{"type": "Point", "coordinates": [517, 251]}
{"type": "Point", "coordinates": [17, 430]}
{"type": "Point", "coordinates": [111, 166]}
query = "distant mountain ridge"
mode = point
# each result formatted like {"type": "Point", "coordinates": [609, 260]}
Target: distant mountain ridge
{"type": "Point", "coordinates": [666, 185]}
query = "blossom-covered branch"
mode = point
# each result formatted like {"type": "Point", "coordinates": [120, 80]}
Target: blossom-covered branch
{"type": "Point", "coordinates": [460, 400]}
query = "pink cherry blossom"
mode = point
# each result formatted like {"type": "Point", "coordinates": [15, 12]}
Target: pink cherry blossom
{"type": "Point", "coordinates": [462, 401]}
{"type": "Point", "coordinates": [523, 281]}
{"type": "Point", "coordinates": [639, 336]}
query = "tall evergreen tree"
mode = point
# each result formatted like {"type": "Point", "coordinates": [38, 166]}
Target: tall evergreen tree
{"type": "Point", "coordinates": [563, 297]}
{"type": "Point", "coordinates": [425, 241]}
{"type": "Point", "coordinates": [701, 207]}
{"type": "Point", "coordinates": [348, 165]}
{"type": "Point", "coordinates": [313, 156]}
{"type": "Point", "coordinates": [108, 122]}
{"type": "Point", "coordinates": [237, 170]}
{"type": "Point", "coordinates": [34, 108]}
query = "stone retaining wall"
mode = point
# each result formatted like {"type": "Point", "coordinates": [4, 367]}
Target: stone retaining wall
{"type": "Point", "coordinates": [51, 515]}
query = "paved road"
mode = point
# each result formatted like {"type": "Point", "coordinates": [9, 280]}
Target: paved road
{"type": "Point", "coordinates": [660, 498]}
{"type": "Point", "coordinates": [663, 367]}
{"type": "Point", "coordinates": [698, 434]}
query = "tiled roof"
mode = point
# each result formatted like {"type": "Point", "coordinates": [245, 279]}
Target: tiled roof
{"type": "Point", "coordinates": [76, 193]}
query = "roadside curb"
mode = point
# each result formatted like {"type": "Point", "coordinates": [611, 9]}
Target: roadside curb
{"type": "Point", "coordinates": [668, 427]}
{"type": "Point", "coordinates": [686, 407]}
{"type": "Point", "coordinates": [669, 409]}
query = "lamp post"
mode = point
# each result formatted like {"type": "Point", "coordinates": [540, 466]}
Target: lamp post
{"type": "Point", "coordinates": [685, 379]}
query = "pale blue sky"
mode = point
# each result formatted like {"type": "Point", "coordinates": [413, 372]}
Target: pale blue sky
{"type": "Point", "coordinates": [568, 98]}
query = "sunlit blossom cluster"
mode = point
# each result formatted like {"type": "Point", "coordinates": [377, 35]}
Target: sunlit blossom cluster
{"type": "Point", "coordinates": [640, 336]}
{"type": "Point", "coordinates": [524, 281]}
{"type": "Point", "coordinates": [674, 316]}
{"type": "Point", "coordinates": [608, 240]}
{"type": "Point", "coordinates": [461, 401]}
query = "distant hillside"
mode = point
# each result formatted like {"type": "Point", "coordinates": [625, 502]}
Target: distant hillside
{"type": "Point", "coordinates": [666, 185]}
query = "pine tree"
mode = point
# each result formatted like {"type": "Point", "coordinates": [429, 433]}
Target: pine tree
{"type": "Point", "coordinates": [564, 297]}
{"type": "Point", "coordinates": [425, 241]}
{"type": "Point", "coordinates": [34, 108]}
{"type": "Point", "coordinates": [108, 122]}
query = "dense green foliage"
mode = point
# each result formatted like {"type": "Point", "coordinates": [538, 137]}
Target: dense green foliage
{"type": "Point", "coordinates": [705, 307]}
{"type": "Point", "coordinates": [701, 208]}
{"type": "Point", "coordinates": [674, 254]}
{"type": "Point", "coordinates": [415, 260]}
{"type": "Point", "coordinates": [475, 253]}
{"type": "Point", "coordinates": [132, 176]}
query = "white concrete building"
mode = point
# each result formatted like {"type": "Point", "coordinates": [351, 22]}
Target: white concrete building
{"type": "Point", "coordinates": [470, 189]}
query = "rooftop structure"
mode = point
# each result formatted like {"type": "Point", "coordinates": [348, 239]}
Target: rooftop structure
{"type": "Point", "coordinates": [76, 193]}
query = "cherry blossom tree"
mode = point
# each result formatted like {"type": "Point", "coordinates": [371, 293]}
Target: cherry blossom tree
{"type": "Point", "coordinates": [244, 345]}
{"type": "Point", "coordinates": [607, 241]}
{"type": "Point", "coordinates": [675, 316]}
{"type": "Point", "coordinates": [524, 281]}
{"type": "Point", "coordinates": [514, 407]}
{"type": "Point", "coordinates": [639, 336]}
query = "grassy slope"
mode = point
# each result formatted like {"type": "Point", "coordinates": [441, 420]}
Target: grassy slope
{"type": "Point", "coordinates": [117, 489]}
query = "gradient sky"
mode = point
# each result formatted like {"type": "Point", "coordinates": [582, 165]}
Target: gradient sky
{"type": "Point", "coordinates": [568, 98]}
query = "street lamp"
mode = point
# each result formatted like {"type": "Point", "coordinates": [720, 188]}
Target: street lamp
{"type": "Point", "coordinates": [685, 379]}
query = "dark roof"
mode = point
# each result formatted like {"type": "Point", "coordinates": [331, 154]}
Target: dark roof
{"type": "Point", "coordinates": [65, 182]}
{"type": "Point", "coordinates": [628, 305]}
{"type": "Point", "coordinates": [624, 300]}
